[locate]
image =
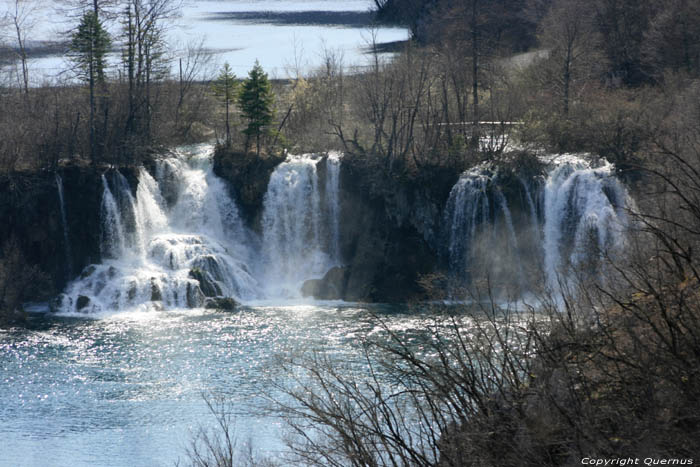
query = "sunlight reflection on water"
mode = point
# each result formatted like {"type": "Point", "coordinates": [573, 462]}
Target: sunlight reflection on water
{"type": "Point", "coordinates": [127, 389]}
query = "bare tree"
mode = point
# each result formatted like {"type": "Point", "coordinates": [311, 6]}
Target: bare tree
{"type": "Point", "coordinates": [570, 34]}
{"type": "Point", "coordinates": [21, 16]}
{"type": "Point", "coordinates": [145, 23]}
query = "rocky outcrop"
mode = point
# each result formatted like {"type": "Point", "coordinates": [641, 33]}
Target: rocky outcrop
{"type": "Point", "coordinates": [331, 287]}
{"type": "Point", "coordinates": [392, 241]}
{"type": "Point", "coordinates": [31, 216]}
{"type": "Point", "coordinates": [220, 303]}
{"type": "Point", "coordinates": [248, 176]}
{"type": "Point", "coordinates": [207, 284]}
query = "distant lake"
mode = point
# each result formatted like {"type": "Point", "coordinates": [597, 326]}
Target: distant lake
{"type": "Point", "coordinates": [281, 34]}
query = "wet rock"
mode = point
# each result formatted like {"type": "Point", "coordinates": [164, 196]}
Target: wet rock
{"type": "Point", "coordinates": [207, 284]}
{"type": "Point", "coordinates": [221, 303]}
{"type": "Point", "coordinates": [156, 294]}
{"type": "Point", "coordinates": [330, 287]}
{"type": "Point", "coordinates": [195, 298]}
{"type": "Point", "coordinates": [209, 264]}
{"type": "Point", "coordinates": [131, 293]}
{"type": "Point", "coordinates": [87, 272]}
{"type": "Point", "coordinates": [56, 303]}
{"type": "Point", "coordinates": [82, 302]}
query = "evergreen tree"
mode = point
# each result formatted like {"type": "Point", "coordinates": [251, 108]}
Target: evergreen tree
{"type": "Point", "coordinates": [89, 46]}
{"type": "Point", "coordinates": [255, 102]}
{"type": "Point", "coordinates": [225, 91]}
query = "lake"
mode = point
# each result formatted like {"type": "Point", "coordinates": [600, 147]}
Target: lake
{"type": "Point", "coordinates": [281, 34]}
{"type": "Point", "coordinates": [127, 389]}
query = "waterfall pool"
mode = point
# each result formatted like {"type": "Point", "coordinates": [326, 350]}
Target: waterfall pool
{"type": "Point", "coordinates": [127, 388]}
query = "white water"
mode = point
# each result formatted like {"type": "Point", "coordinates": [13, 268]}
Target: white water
{"type": "Point", "coordinates": [583, 218]}
{"type": "Point", "coordinates": [300, 223]}
{"type": "Point", "coordinates": [184, 222]}
{"type": "Point", "coordinates": [584, 203]}
{"type": "Point", "coordinates": [150, 247]}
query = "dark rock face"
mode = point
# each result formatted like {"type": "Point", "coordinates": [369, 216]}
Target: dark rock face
{"type": "Point", "coordinates": [207, 284]}
{"type": "Point", "coordinates": [156, 293]}
{"type": "Point", "coordinates": [82, 302]}
{"type": "Point", "coordinates": [391, 242]}
{"type": "Point", "coordinates": [31, 213]}
{"type": "Point", "coordinates": [248, 176]}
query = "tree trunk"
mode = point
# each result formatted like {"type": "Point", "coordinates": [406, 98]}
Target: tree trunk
{"type": "Point", "coordinates": [91, 71]}
{"type": "Point", "coordinates": [228, 128]}
{"type": "Point", "coordinates": [22, 56]}
{"type": "Point", "coordinates": [475, 73]}
{"type": "Point", "coordinates": [567, 80]}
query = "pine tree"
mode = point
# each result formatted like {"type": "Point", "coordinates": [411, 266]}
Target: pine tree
{"type": "Point", "coordinates": [255, 102]}
{"type": "Point", "coordinates": [88, 48]}
{"type": "Point", "coordinates": [225, 90]}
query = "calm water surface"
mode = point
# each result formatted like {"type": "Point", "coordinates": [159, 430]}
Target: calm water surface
{"type": "Point", "coordinates": [281, 34]}
{"type": "Point", "coordinates": [126, 389]}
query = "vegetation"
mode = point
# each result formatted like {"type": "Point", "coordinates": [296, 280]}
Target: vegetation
{"type": "Point", "coordinates": [130, 109]}
{"type": "Point", "coordinates": [225, 91]}
{"type": "Point", "coordinates": [606, 368]}
{"type": "Point", "coordinates": [255, 102]}
{"type": "Point", "coordinates": [88, 48]}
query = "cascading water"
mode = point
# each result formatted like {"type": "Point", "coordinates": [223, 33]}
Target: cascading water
{"type": "Point", "coordinates": [585, 215]}
{"type": "Point", "coordinates": [467, 208]}
{"type": "Point", "coordinates": [333, 202]}
{"type": "Point", "coordinates": [166, 253]}
{"type": "Point", "coordinates": [112, 240]}
{"type": "Point", "coordinates": [576, 215]}
{"type": "Point", "coordinates": [300, 223]}
{"type": "Point", "coordinates": [64, 221]}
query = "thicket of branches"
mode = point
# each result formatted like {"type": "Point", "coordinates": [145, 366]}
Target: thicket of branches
{"type": "Point", "coordinates": [96, 112]}
{"type": "Point", "coordinates": [606, 368]}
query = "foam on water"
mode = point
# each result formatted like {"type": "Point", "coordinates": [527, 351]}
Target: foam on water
{"type": "Point", "coordinates": [577, 215]}
{"type": "Point", "coordinates": [181, 239]}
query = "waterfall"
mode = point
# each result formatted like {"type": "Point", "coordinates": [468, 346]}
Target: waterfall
{"type": "Point", "coordinates": [333, 197]}
{"type": "Point", "coordinates": [300, 223]}
{"type": "Point", "coordinates": [467, 208]}
{"type": "Point", "coordinates": [583, 217]}
{"type": "Point", "coordinates": [112, 239]}
{"type": "Point", "coordinates": [64, 221]}
{"type": "Point", "coordinates": [166, 251]}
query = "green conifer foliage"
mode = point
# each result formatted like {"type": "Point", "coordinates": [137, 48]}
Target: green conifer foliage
{"type": "Point", "coordinates": [255, 102]}
{"type": "Point", "coordinates": [89, 46]}
{"type": "Point", "coordinates": [225, 91]}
